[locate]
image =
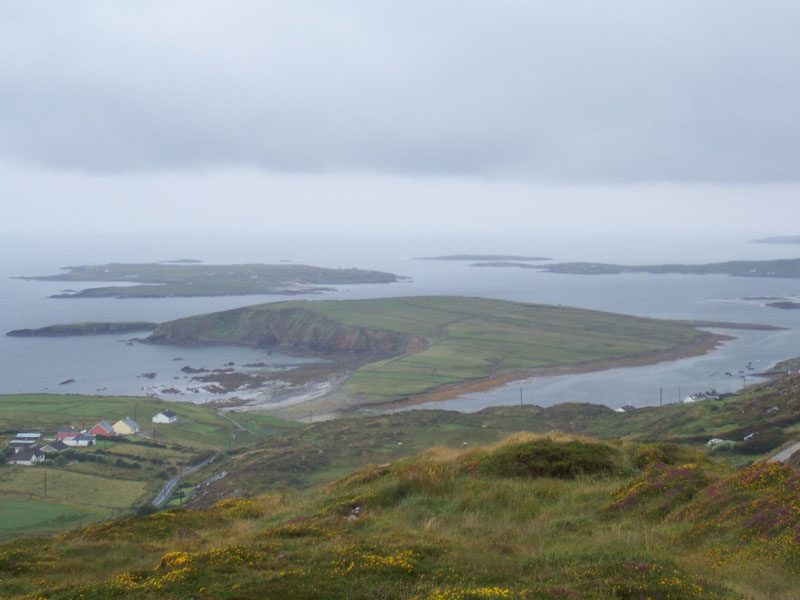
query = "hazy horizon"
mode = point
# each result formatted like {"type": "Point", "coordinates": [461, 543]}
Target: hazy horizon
{"type": "Point", "coordinates": [455, 116]}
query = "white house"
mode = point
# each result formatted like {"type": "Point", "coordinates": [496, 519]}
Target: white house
{"type": "Point", "coordinates": [28, 456]}
{"type": "Point", "coordinates": [82, 439]}
{"type": "Point", "coordinates": [165, 416]}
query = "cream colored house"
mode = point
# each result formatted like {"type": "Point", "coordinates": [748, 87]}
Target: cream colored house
{"type": "Point", "coordinates": [126, 426]}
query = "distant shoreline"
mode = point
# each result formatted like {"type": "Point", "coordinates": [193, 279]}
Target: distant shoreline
{"type": "Point", "coordinates": [699, 347]}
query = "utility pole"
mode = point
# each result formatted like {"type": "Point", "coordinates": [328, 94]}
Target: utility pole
{"type": "Point", "coordinates": [661, 396]}
{"type": "Point", "coordinates": [45, 483]}
{"type": "Point", "coordinates": [520, 396]}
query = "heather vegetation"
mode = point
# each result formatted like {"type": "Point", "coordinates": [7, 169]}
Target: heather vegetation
{"type": "Point", "coordinates": [639, 521]}
{"type": "Point", "coordinates": [431, 504]}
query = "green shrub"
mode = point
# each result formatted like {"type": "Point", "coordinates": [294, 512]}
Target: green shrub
{"type": "Point", "coordinates": [548, 458]}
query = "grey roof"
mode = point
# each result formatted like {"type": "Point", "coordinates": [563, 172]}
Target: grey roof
{"type": "Point", "coordinates": [17, 442]}
{"type": "Point", "coordinates": [130, 422]}
{"type": "Point", "coordinates": [56, 446]}
{"type": "Point", "coordinates": [26, 455]}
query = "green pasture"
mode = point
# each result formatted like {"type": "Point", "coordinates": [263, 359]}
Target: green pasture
{"type": "Point", "coordinates": [465, 338]}
{"type": "Point", "coordinates": [63, 485]}
{"type": "Point", "coordinates": [199, 427]}
{"type": "Point", "coordinates": [471, 338]}
{"type": "Point", "coordinates": [39, 517]}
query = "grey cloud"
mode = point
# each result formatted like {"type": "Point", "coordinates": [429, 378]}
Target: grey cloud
{"type": "Point", "coordinates": [550, 91]}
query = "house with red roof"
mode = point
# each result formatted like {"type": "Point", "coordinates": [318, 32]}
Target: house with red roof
{"type": "Point", "coordinates": [66, 433]}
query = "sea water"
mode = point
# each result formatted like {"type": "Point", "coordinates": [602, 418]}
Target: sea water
{"type": "Point", "coordinates": [109, 364]}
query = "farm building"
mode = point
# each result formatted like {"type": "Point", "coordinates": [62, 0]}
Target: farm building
{"type": "Point", "coordinates": [25, 439]}
{"type": "Point", "coordinates": [66, 433]}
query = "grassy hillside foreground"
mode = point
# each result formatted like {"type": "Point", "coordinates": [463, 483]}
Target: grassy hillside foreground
{"type": "Point", "coordinates": [427, 343]}
{"type": "Point", "coordinates": [532, 517]}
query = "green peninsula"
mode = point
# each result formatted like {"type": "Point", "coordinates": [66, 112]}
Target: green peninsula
{"type": "Point", "coordinates": [784, 268]}
{"type": "Point", "coordinates": [188, 279]}
{"type": "Point", "coordinates": [411, 347]}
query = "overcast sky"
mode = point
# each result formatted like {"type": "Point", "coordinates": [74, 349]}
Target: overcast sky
{"type": "Point", "coordinates": [264, 115]}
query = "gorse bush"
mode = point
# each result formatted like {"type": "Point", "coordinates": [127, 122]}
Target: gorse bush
{"type": "Point", "coordinates": [665, 454]}
{"type": "Point", "coordinates": [546, 458]}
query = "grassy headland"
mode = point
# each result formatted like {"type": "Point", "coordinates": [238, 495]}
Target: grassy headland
{"type": "Point", "coordinates": [413, 346]}
{"type": "Point", "coordinates": [161, 280]}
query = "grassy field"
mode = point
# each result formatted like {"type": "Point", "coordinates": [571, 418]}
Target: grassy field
{"type": "Point", "coordinates": [39, 517]}
{"type": "Point", "coordinates": [115, 476]}
{"type": "Point", "coordinates": [70, 499]}
{"type": "Point", "coordinates": [437, 341]}
{"type": "Point", "coordinates": [532, 517]}
{"type": "Point", "coordinates": [199, 427]}
{"type": "Point", "coordinates": [310, 455]}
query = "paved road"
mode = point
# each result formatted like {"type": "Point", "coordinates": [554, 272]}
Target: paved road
{"type": "Point", "coordinates": [162, 496]}
{"type": "Point", "coordinates": [784, 455]}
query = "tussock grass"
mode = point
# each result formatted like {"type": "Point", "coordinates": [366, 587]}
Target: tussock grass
{"type": "Point", "coordinates": [426, 527]}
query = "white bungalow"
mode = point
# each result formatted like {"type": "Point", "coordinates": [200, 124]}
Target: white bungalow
{"type": "Point", "coordinates": [165, 416]}
{"type": "Point", "coordinates": [28, 456]}
{"type": "Point", "coordinates": [82, 439]}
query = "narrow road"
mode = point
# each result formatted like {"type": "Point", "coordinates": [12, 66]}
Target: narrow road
{"type": "Point", "coordinates": [784, 455]}
{"type": "Point", "coordinates": [162, 496]}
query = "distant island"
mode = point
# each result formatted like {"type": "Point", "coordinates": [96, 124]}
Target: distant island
{"type": "Point", "coordinates": [482, 257]}
{"type": "Point", "coordinates": [186, 278]}
{"type": "Point", "coordinates": [87, 328]}
{"type": "Point", "coordinates": [779, 239]}
{"type": "Point", "coordinates": [505, 263]}
{"type": "Point", "coordinates": [783, 268]}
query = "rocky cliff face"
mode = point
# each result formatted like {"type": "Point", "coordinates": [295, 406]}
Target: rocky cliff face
{"type": "Point", "coordinates": [297, 328]}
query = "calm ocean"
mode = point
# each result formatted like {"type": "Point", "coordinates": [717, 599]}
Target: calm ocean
{"type": "Point", "coordinates": [108, 365]}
